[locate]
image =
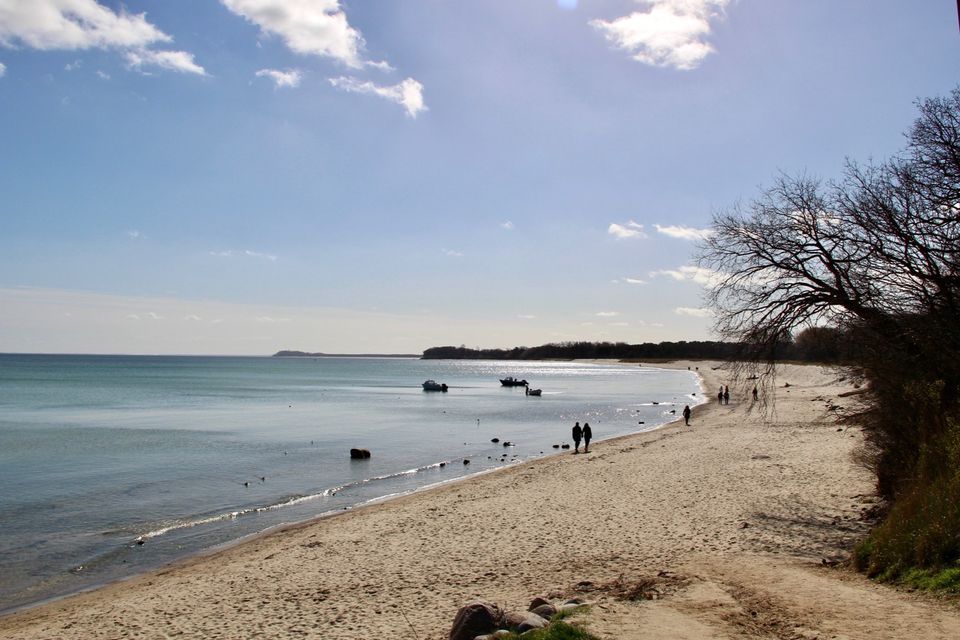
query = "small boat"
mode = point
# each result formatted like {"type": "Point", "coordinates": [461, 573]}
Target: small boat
{"type": "Point", "coordinates": [510, 381]}
{"type": "Point", "coordinates": [432, 385]}
{"type": "Point", "coordinates": [533, 392]}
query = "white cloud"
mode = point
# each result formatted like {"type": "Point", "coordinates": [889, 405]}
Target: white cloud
{"type": "Point", "coordinates": [70, 66]}
{"type": "Point", "coordinates": [408, 93]}
{"type": "Point", "coordinates": [691, 273]}
{"type": "Point", "coordinates": [526, 316]}
{"type": "Point", "coordinates": [507, 225]}
{"type": "Point", "coordinates": [135, 235]}
{"type": "Point", "coordinates": [132, 316]}
{"type": "Point", "coordinates": [257, 254]}
{"type": "Point", "coordinates": [154, 316]}
{"type": "Point", "coordinates": [309, 27]}
{"type": "Point", "coordinates": [695, 312]}
{"type": "Point", "coordinates": [103, 75]}
{"type": "Point", "coordinates": [179, 61]}
{"type": "Point", "coordinates": [629, 230]}
{"type": "Point", "coordinates": [634, 281]}
{"type": "Point", "coordinates": [281, 79]}
{"type": "Point", "coordinates": [452, 253]}
{"type": "Point", "coordinates": [230, 253]}
{"type": "Point", "coordinates": [3, 69]}
{"type": "Point", "coordinates": [270, 319]}
{"type": "Point", "coordinates": [70, 25]}
{"type": "Point", "coordinates": [193, 318]}
{"type": "Point", "coordinates": [669, 33]}
{"type": "Point", "coordinates": [683, 233]}
{"type": "Point", "coordinates": [73, 24]}
{"type": "Point", "coordinates": [608, 314]}
{"type": "Point", "coordinates": [382, 65]}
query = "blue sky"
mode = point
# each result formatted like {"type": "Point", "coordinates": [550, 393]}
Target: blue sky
{"type": "Point", "coordinates": [242, 176]}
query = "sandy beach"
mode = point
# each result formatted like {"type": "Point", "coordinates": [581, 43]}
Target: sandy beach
{"type": "Point", "coordinates": [734, 524]}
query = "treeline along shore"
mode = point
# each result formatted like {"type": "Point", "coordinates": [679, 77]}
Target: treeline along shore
{"type": "Point", "coordinates": [588, 350]}
{"type": "Point", "coordinates": [802, 349]}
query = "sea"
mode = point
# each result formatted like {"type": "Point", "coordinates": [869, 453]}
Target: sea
{"type": "Point", "coordinates": [111, 466]}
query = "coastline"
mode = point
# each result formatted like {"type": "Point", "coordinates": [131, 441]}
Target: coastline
{"type": "Point", "coordinates": [676, 499]}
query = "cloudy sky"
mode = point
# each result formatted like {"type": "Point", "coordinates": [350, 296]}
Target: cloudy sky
{"type": "Point", "coordinates": [241, 176]}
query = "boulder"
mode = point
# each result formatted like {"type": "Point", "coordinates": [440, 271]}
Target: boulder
{"type": "Point", "coordinates": [545, 611]}
{"type": "Point", "coordinates": [536, 602]}
{"type": "Point", "coordinates": [359, 454]}
{"type": "Point", "coordinates": [524, 621]}
{"type": "Point", "coordinates": [476, 619]}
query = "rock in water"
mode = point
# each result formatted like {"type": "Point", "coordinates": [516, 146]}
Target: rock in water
{"type": "Point", "coordinates": [359, 454]}
{"type": "Point", "coordinates": [475, 619]}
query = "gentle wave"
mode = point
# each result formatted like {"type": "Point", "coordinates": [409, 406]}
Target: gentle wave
{"type": "Point", "coordinates": [287, 502]}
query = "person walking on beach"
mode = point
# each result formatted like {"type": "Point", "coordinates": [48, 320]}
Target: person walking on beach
{"type": "Point", "coordinates": [587, 434]}
{"type": "Point", "coordinates": [686, 415]}
{"type": "Point", "coordinates": [726, 395]}
{"type": "Point", "coordinates": [754, 393]}
{"type": "Point", "coordinates": [720, 395]}
{"type": "Point", "coordinates": [577, 434]}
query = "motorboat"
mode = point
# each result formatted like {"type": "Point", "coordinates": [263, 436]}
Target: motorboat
{"type": "Point", "coordinates": [433, 385]}
{"type": "Point", "coordinates": [510, 381]}
{"type": "Point", "coordinates": [533, 392]}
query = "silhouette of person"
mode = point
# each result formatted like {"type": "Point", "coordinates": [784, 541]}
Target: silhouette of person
{"type": "Point", "coordinates": [686, 415]}
{"type": "Point", "coordinates": [587, 434]}
{"type": "Point", "coordinates": [754, 393]}
{"type": "Point", "coordinates": [726, 395]}
{"type": "Point", "coordinates": [720, 395]}
{"type": "Point", "coordinates": [577, 434]}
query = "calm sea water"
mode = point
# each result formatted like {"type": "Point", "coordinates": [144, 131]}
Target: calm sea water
{"type": "Point", "coordinates": [181, 454]}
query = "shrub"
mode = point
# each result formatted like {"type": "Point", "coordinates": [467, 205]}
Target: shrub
{"type": "Point", "coordinates": [918, 543]}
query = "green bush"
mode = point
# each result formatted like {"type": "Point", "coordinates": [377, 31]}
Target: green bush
{"type": "Point", "coordinates": [918, 542]}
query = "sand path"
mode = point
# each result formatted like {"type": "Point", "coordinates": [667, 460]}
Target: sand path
{"type": "Point", "coordinates": [736, 513]}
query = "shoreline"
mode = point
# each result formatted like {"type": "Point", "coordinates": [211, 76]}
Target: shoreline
{"type": "Point", "coordinates": [735, 499]}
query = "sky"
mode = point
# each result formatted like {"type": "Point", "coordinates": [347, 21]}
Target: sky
{"type": "Point", "coordinates": [242, 176]}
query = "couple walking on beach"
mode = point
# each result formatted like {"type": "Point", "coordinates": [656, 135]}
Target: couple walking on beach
{"type": "Point", "coordinates": [723, 396]}
{"type": "Point", "coordinates": [585, 434]}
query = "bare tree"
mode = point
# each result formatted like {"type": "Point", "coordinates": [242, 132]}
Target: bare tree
{"type": "Point", "coordinates": [874, 254]}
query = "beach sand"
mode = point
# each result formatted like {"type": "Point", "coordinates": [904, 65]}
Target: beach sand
{"type": "Point", "coordinates": [727, 522]}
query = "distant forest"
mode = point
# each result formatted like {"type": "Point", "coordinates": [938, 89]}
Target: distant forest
{"type": "Point", "coordinates": [814, 344]}
{"type": "Point", "coordinates": [588, 350]}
